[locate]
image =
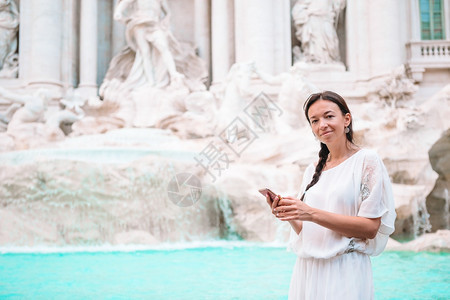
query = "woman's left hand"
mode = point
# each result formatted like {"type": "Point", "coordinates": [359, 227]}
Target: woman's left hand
{"type": "Point", "coordinates": [290, 208]}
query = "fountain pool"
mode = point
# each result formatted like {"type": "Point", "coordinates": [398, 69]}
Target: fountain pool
{"type": "Point", "coordinates": [227, 270]}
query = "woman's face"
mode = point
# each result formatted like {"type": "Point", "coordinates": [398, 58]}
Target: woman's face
{"type": "Point", "coordinates": [327, 121]}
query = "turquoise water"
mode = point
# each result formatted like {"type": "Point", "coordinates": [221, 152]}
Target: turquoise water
{"type": "Point", "coordinates": [227, 272]}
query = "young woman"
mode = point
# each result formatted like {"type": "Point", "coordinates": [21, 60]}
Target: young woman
{"type": "Point", "coordinates": [345, 211]}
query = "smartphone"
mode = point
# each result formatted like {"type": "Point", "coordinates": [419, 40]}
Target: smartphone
{"type": "Point", "coordinates": [271, 194]}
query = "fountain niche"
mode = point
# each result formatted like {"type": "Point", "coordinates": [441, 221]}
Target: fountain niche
{"type": "Point", "coordinates": [77, 169]}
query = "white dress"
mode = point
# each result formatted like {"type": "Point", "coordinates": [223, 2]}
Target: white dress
{"type": "Point", "coordinates": [329, 265]}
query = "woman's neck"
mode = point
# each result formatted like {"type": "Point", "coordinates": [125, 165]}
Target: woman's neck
{"type": "Point", "coordinates": [341, 151]}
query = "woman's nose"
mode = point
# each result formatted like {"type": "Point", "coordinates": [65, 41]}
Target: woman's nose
{"type": "Point", "coordinates": [323, 123]}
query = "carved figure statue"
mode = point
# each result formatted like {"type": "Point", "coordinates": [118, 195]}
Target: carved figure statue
{"type": "Point", "coordinates": [294, 89]}
{"type": "Point", "coordinates": [153, 57]}
{"type": "Point", "coordinates": [31, 110]}
{"type": "Point", "coordinates": [315, 23]}
{"type": "Point", "coordinates": [33, 106]}
{"type": "Point", "coordinates": [9, 25]}
{"type": "Point", "coordinates": [235, 93]}
{"type": "Point", "coordinates": [394, 89]}
{"type": "Point", "coordinates": [146, 32]}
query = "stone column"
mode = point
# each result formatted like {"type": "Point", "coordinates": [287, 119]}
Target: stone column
{"type": "Point", "coordinates": [386, 47]}
{"type": "Point", "coordinates": [446, 16]}
{"type": "Point", "coordinates": [88, 48]}
{"type": "Point", "coordinates": [105, 37]}
{"type": "Point", "coordinates": [41, 43]}
{"type": "Point", "coordinates": [222, 39]}
{"type": "Point", "coordinates": [413, 36]}
{"type": "Point", "coordinates": [282, 35]}
{"type": "Point", "coordinates": [25, 39]}
{"type": "Point", "coordinates": [358, 41]}
{"type": "Point", "coordinates": [414, 20]}
{"type": "Point", "coordinates": [202, 31]}
{"type": "Point", "coordinates": [69, 59]}
{"type": "Point", "coordinates": [254, 33]}
{"type": "Point", "coordinates": [263, 34]}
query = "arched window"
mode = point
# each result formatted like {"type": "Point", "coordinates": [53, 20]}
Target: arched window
{"type": "Point", "coordinates": [432, 19]}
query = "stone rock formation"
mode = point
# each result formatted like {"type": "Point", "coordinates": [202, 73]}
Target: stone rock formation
{"type": "Point", "coordinates": [438, 241]}
{"type": "Point", "coordinates": [438, 201]}
{"type": "Point", "coordinates": [54, 201]}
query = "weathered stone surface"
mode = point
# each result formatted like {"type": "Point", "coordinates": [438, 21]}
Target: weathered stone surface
{"type": "Point", "coordinates": [409, 203]}
{"type": "Point", "coordinates": [251, 216]}
{"type": "Point", "coordinates": [438, 200]}
{"type": "Point", "coordinates": [54, 201]}
{"type": "Point", "coordinates": [435, 242]}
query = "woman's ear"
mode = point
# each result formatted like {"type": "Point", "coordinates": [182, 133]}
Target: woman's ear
{"type": "Point", "coordinates": [347, 119]}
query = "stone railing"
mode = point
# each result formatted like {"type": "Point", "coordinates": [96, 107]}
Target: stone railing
{"type": "Point", "coordinates": [429, 53]}
{"type": "Point", "coordinates": [421, 55]}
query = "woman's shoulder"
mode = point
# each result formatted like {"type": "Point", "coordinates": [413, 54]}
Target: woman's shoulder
{"type": "Point", "coordinates": [368, 153]}
{"type": "Point", "coordinates": [369, 157]}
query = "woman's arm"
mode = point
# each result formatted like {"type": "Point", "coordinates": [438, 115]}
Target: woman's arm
{"type": "Point", "coordinates": [120, 7]}
{"type": "Point", "coordinates": [291, 209]}
{"type": "Point", "coordinates": [297, 226]}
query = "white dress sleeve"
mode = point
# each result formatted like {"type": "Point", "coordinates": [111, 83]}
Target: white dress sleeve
{"type": "Point", "coordinates": [377, 200]}
{"type": "Point", "coordinates": [294, 242]}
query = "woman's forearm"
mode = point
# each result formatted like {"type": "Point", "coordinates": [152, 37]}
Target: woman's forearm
{"type": "Point", "coordinates": [349, 226]}
{"type": "Point", "coordinates": [296, 225]}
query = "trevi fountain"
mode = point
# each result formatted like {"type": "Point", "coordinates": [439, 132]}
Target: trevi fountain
{"type": "Point", "coordinates": [143, 123]}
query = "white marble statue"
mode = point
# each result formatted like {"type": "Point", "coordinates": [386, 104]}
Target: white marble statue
{"type": "Point", "coordinates": [146, 29]}
{"type": "Point", "coordinates": [6, 117]}
{"type": "Point", "coordinates": [29, 120]}
{"type": "Point", "coordinates": [243, 84]}
{"type": "Point", "coordinates": [394, 88]}
{"type": "Point", "coordinates": [235, 93]}
{"type": "Point", "coordinates": [33, 107]}
{"type": "Point", "coordinates": [294, 90]}
{"type": "Point", "coordinates": [153, 57]}
{"type": "Point", "coordinates": [196, 119]}
{"type": "Point", "coordinates": [315, 23]}
{"type": "Point", "coordinates": [9, 25]}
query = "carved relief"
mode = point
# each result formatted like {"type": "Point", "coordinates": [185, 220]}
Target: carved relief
{"type": "Point", "coordinates": [9, 26]}
{"type": "Point", "coordinates": [315, 24]}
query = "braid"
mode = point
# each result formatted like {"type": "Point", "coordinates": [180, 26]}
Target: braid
{"type": "Point", "coordinates": [323, 155]}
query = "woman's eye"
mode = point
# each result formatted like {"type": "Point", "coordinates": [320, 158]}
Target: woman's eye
{"type": "Point", "coordinates": [329, 117]}
{"type": "Point", "coordinates": [313, 121]}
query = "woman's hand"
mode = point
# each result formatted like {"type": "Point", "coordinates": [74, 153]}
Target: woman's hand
{"type": "Point", "coordinates": [290, 208]}
{"type": "Point", "coordinates": [273, 204]}
{"type": "Point", "coordinates": [295, 211]}
{"type": "Point", "coordinates": [296, 225]}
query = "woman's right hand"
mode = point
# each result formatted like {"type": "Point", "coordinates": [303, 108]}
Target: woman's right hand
{"type": "Point", "coordinates": [273, 204]}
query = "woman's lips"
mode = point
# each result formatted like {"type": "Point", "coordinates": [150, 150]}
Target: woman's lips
{"type": "Point", "coordinates": [326, 133]}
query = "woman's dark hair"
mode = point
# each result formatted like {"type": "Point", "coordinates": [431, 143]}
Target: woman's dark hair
{"type": "Point", "coordinates": [323, 153]}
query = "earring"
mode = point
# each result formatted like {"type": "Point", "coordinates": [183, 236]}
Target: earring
{"type": "Point", "coordinates": [347, 130]}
